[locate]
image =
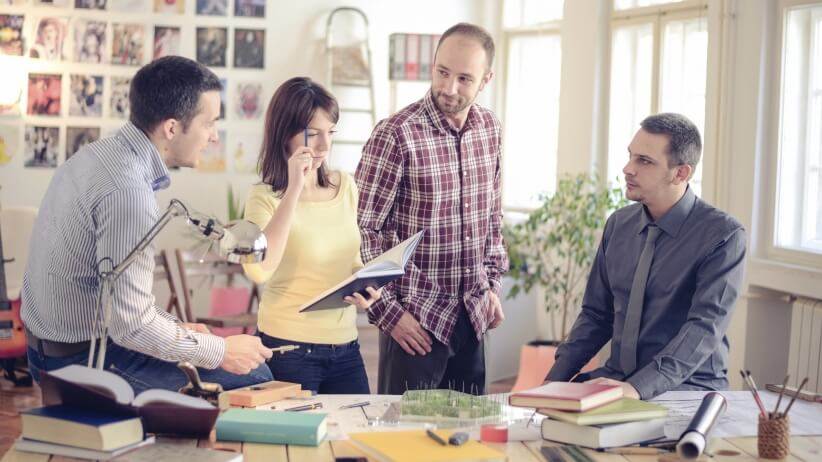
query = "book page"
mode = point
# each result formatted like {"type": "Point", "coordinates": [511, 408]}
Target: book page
{"type": "Point", "coordinates": [397, 257]}
{"type": "Point", "coordinates": [106, 382]}
{"type": "Point", "coordinates": [158, 396]}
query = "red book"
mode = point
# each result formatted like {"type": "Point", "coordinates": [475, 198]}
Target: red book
{"type": "Point", "coordinates": [567, 396]}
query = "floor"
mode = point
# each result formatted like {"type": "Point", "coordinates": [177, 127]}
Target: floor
{"type": "Point", "coordinates": [13, 400]}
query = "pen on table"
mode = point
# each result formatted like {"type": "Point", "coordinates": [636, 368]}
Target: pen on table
{"type": "Point", "coordinates": [350, 406]}
{"type": "Point", "coordinates": [633, 451]}
{"type": "Point", "coordinates": [305, 407]}
{"type": "Point", "coordinates": [284, 348]}
{"type": "Point", "coordinates": [436, 437]}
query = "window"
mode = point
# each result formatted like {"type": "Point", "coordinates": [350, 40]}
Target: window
{"type": "Point", "coordinates": [532, 80]}
{"type": "Point", "coordinates": [799, 182]}
{"type": "Point", "coordinates": [658, 64]}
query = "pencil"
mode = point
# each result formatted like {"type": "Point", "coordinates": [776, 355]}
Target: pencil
{"type": "Point", "coordinates": [779, 400]}
{"type": "Point", "coordinates": [798, 390]}
{"type": "Point", "coordinates": [752, 388]}
{"type": "Point", "coordinates": [634, 451]}
{"type": "Point", "coordinates": [756, 393]}
{"type": "Point", "coordinates": [305, 137]}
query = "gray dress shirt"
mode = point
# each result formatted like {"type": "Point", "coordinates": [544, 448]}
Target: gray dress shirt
{"type": "Point", "coordinates": [98, 205]}
{"type": "Point", "coordinates": [692, 286]}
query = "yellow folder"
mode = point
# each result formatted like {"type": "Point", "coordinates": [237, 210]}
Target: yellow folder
{"type": "Point", "coordinates": [415, 445]}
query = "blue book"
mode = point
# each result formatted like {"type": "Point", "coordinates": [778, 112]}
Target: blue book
{"type": "Point", "coordinates": [81, 427]}
{"type": "Point", "coordinates": [271, 427]}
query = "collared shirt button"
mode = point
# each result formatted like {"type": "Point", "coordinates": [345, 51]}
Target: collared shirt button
{"type": "Point", "coordinates": [466, 205]}
{"type": "Point", "coordinates": [467, 270]}
{"type": "Point", "coordinates": [467, 238]}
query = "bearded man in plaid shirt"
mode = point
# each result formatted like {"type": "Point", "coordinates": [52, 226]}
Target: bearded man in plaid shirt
{"type": "Point", "coordinates": [435, 165]}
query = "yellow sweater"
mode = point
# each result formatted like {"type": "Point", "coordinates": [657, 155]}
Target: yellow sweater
{"type": "Point", "coordinates": [323, 248]}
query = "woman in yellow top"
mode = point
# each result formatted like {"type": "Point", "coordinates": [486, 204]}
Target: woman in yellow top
{"type": "Point", "coordinates": [309, 216]}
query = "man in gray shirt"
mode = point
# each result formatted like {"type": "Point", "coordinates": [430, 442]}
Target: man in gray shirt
{"type": "Point", "coordinates": [665, 279]}
{"type": "Point", "coordinates": [98, 206]}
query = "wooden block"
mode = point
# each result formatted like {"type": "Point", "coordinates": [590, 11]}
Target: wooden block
{"type": "Point", "coordinates": [262, 393]}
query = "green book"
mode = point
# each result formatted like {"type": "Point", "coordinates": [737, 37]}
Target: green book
{"type": "Point", "coordinates": [623, 410]}
{"type": "Point", "coordinates": [272, 427]}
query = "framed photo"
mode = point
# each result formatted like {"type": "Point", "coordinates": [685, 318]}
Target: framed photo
{"type": "Point", "coordinates": [170, 6]}
{"type": "Point", "coordinates": [213, 157]}
{"type": "Point", "coordinates": [11, 34]}
{"type": "Point", "coordinates": [245, 150]}
{"type": "Point", "coordinates": [120, 107]}
{"type": "Point", "coordinates": [130, 6]}
{"type": "Point", "coordinates": [77, 137]}
{"type": "Point", "coordinates": [90, 4]}
{"type": "Point", "coordinates": [249, 48]}
{"type": "Point", "coordinates": [9, 140]}
{"type": "Point", "coordinates": [249, 8]}
{"type": "Point", "coordinates": [212, 7]}
{"type": "Point", "coordinates": [57, 3]}
{"type": "Point", "coordinates": [247, 101]}
{"type": "Point", "coordinates": [41, 146]}
{"type": "Point", "coordinates": [44, 94]}
{"type": "Point", "coordinates": [166, 41]}
{"type": "Point", "coordinates": [86, 98]}
{"type": "Point", "coordinates": [49, 39]}
{"type": "Point", "coordinates": [127, 44]}
{"type": "Point", "coordinates": [211, 46]}
{"type": "Point", "coordinates": [224, 84]}
{"type": "Point", "coordinates": [90, 41]}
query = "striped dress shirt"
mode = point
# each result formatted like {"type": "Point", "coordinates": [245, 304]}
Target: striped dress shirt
{"type": "Point", "coordinates": [98, 206]}
{"type": "Point", "coordinates": [418, 172]}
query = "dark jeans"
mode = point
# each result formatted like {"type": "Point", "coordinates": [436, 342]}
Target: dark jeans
{"type": "Point", "coordinates": [459, 366]}
{"type": "Point", "coordinates": [144, 372]}
{"type": "Point", "coordinates": [326, 369]}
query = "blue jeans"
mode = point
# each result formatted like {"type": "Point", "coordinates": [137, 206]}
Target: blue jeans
{"type": "Point", "coordinates": [326, 369]}
{"type": "Point", "coordinates": [144, 372]}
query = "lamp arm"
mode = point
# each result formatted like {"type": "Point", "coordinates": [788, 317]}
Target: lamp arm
{"type": "Point", "coordinates": [175, 209]}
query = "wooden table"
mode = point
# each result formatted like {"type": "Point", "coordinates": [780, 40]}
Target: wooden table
{"type": "Point", "coordinates": [803, 448]}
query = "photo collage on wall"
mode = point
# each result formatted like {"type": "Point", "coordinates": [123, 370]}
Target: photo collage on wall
{"type": "Point", "coordinates": [76, 59]}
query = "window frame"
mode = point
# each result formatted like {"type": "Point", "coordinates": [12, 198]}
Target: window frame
{"type": "Point", "coordinates": [772, 252]}
{"type": "Point", "coordinates": [551, 28]}
{"type": "Point", "coordinates": [657, 16]}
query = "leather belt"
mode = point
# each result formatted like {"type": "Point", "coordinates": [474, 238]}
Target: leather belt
{"type": "Point", "coordinates": [55, 349]}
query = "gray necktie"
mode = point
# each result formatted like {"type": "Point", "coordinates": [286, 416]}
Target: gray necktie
{"type": "Point", "coordinates": [633, 318]}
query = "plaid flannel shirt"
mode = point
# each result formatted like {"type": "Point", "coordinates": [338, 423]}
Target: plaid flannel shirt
{"type": "Point", "coordinates": [418, 172]}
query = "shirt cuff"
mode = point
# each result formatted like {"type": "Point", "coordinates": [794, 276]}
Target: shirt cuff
{"type": "Point", "coordinates": [386, 316]}
{"type": "Point", "coordinates": [495, 285]}
{"type": "Point", "coordinates": [210, 350]}
{"type": "Point", "coordinates": [649, 382]}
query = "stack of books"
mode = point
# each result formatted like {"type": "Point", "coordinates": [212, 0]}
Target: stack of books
{"type": "Point", "coordinates": [593, 415]}
{"type": "Point", "coordinates": [80, 433]}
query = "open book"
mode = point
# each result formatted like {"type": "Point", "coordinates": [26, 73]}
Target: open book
{"type": "Point", "coordinates": [162, 411]}
{"type": "Point", "coordinates": [376, 273]}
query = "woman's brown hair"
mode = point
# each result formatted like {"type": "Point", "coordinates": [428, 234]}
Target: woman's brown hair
{"type": "Point", "coordinates": [290, 111]}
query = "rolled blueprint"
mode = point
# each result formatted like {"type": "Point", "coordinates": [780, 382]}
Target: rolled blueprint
{"type": "Point", "coordinates": [695, 437]}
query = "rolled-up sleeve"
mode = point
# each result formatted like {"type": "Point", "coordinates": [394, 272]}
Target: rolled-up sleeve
{"type": "Point", "coordinates": [496, 258]}
{"type": "Point", "coordinates": [594, 325]}
{"type": "Point", "coordinates": [121, 219]}
{"type": "Point", "coordinates": [719, 278]}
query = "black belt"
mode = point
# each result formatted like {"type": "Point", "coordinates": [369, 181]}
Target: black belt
{"type": "Point", "coordinates": [55, 349]}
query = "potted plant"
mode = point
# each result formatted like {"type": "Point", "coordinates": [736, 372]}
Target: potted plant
{"type": "Point", "coordinates": [554, 248]}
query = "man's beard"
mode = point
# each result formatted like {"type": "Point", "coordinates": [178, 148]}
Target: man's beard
{"type": "Point", "coordinates": [461, 103]}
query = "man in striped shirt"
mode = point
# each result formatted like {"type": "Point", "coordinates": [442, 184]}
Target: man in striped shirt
{"type": "Point", "coordinates": [435, 165]}
{"type": "Point", "coordinates": [98, 206]}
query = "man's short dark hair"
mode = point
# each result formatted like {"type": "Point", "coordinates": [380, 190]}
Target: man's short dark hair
{"type": "Point", "coordinates": [475, 32]}
{"type": "Point", "coordinates": [684, 142]}
{"type": "Point", "coordinates": [169, 88]}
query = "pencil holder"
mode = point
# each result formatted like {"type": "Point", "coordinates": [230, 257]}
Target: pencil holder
{"type": "Point", "coordinates": [773, 438]}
